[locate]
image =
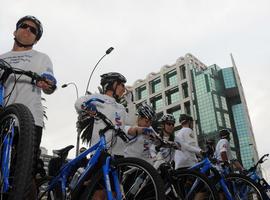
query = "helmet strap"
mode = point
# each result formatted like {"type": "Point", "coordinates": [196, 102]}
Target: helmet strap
{"type": "Point", "coordinates": [22, 45]}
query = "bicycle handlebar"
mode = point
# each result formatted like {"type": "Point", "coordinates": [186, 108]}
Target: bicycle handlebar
{"type": "Point", "coordinates": [11, 70]}
{"type": "Point", "coordinates": [109, 125]}
{"type": "Point", "coordinates": [260, 161]}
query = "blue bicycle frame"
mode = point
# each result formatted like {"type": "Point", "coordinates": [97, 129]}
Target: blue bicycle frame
{"type": "Point", "coordinates": [107, 169]}
{"type": "Point", "coordinates": [204, 166]}
{"type": "Point", "coordinates": [252, 173]}
{"type": "Point", "coordinates": [6, 147]}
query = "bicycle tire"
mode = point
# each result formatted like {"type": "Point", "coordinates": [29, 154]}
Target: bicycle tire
{"type": "Point", "coordinates": [239, 180]}
{"type": "Point", "coordinates": [185, 180]}
{"type": "Point", "coordinates": [22, 153]}
{"type": "Point", "coordinates": [153, 190]}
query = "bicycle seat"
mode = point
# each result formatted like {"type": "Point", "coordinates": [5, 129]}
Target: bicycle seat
{"type": "Point", "coordinates": [62, 151]}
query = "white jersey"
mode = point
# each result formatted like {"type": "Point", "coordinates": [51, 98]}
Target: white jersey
{"type": "Point", "coordinates": [223, 145]}
{"type": "Point", "coordinates": [139, 147]}
{"type": "Point", "coordinates": [24, 92]}
{"type": "Point", "coordinates": [115, 112]}
{"type": "Point", "coordinates": [186, 157]}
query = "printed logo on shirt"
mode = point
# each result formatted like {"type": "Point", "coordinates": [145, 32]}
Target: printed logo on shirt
{"type": "Point", "coordinates": [20, 58]}
{"type": "Point", "coordinates": [118, 119]}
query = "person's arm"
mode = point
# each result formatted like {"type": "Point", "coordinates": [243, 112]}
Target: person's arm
{"type": "Point", "coordinates": [237, 165]}
{"type": "Point", "coordinates": [224, 156]}
{"type": "Point", "coordinates": [135, 130]}
{"type": "Point", "coordinates": [188, 143]}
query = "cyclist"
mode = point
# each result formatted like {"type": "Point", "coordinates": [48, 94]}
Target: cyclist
{"type": "Point", "coordinates": [223, 150]}
{"type": "Point", "coordinates": [167, 134]}
{"type": "Point", "coordinates": [189, 148]}
{"type": "Point", "coordinates": [140, 146]}
{"type": "Point", "coordinates": [27, 33]}
{"type": "Point", "coordinates": [113, 87]}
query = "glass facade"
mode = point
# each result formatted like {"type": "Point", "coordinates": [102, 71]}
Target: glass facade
{"type": "Point", "coordinates": [243, 135]}
{"type": "Point", "coordinates": [205, 103]}
{"type": "Point", "coordinates": [228, 77]}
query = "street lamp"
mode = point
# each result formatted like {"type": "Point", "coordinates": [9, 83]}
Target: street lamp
{"type": "Point", "coordinates": [71, 83]}
{"type": "Point", "coordinates": [78, 132]}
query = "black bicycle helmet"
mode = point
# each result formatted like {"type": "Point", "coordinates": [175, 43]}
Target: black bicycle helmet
{"type": "Point", "coordinates": [108, 79]}
{"type": "Point", "coordinates": [224, 133]}
{"type": "Point", "coordinates": [167, 118]}
{"type": "Point", "coordinates": [184, 118]}
{"type": "Point", "coordinates": [146, 111]}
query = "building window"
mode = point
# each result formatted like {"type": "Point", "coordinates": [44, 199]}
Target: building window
{"type": "Point", "coordinates": [155, 85]}
{"type": "Point", "coordinates": [172, 96]}
{"type": "Point", "coordinates": [185, 90]}
{"type": "Point", "coordinates": [223, 103]}
{"type": "Point", "coordinates": [175, 111]}
{"type": "Point", "coordinates": [171, 78]}
{"type": "Point", "coordinates": [227, 120]}
{"type": "Point", "coordinates": [219, 119]}
{"type": "Point", "coordinates": [183, 72]}
{"type": "Point", "coordinates": [187, 108]}
{"type": "Point", "coordinates": [157, 102]}
{"type": "Point", "coordinates": [142, 93]}
{"type": "Point", "coordinates": [216, 100]}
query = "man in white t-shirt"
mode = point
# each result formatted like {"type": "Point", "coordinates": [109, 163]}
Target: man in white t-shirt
{"type": "Point", "coordinates": [223, 150]}
{"type": "Point", "coordinates": [22, 56]}
{"type": "Point", "coordinates": [186, 157]}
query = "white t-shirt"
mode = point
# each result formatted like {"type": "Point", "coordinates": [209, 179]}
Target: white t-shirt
{"type": "Point", "coordinates": [139, 147]}
{"type": "Point", "coordinates": [223, 145]}
{"type": "Point", "coordinates": [115, 112]}
{"type": "Point", "coordinates": [186, 157]}
{"type": "Point", "coordinates": [24, 92]}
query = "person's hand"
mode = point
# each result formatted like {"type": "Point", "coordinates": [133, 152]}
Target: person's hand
{"type": "Point", "coordinates": [203, 153]}
{"type": "Point", "coordinates": [148, 132]}
{"type": "Point", "coordinates": [90, 108]}
{"type": "Point", "coordinates": [49, 84]}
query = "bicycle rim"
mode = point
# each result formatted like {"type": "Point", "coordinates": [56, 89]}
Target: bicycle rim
{"type": "Point", "coordinates": [192, 185]}
{"type": "Point", "coordinates": [243, 188]}
{"type": "Point", "coordinates": [129, 169]}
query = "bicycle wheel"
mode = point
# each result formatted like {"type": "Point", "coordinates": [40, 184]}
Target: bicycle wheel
{"type": "Point", "coordinates": [242, 187]}
{"type": "Point", "coordinates": [17, 137]}
{"type": "Point", "coordinates": [130, 170]}
{"type": "Point", "coordinates": [191, 184]}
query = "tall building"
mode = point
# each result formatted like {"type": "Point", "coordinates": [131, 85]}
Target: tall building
{"type": "Point", "coordinates": [212, 95]}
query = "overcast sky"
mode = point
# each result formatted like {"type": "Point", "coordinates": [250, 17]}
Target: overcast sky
{"type": "Point", "coordinates": [146, 35]}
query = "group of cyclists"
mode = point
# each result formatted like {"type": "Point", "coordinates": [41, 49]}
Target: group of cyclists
{"type": "Point", "coordinates": [141, 134]}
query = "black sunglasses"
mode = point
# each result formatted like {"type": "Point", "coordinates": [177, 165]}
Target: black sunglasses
{"type": "Point", "coordinates": [31, 28]}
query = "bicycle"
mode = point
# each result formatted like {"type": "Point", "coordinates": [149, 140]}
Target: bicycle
{"type": "Point", "coordinates": [232, 185]}
{"type": "Point", "coordinates": [17, 139]}
{"type": "Point", "coordinates": [115, 177]}
{"type": "Point", "coordinates": [181, 183]}
{"type": "Point", "coordinates": [252, 173]}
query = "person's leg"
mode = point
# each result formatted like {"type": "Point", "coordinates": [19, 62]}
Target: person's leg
{"type": "Point", "coordinates": [38, 132]}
